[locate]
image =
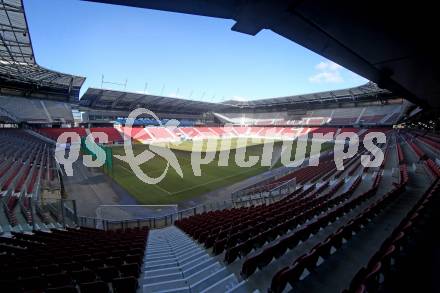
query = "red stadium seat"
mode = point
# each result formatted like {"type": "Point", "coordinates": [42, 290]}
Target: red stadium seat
{"type": "Point", "coordinates": [125, 285]}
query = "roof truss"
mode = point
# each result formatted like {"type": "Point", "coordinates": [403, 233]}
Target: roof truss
{"type": "Point", "coordinates": [17, 61]}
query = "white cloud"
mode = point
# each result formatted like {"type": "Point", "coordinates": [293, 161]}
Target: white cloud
{"type": "Point", "coordinates": [328, 72]}
{"type": "Point", "coordinates": [326, 77]}
{"type": "Point", "coordinates": [142, 92]}
{"type": "Point", "coordinates": [240, 99]}
{"type": "Point", "coordinates": [329, 65]}
{"type": "Point", "coordinates": [175, 95]}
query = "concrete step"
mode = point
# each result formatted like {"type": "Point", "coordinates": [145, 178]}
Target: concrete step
{"type": "Point", "coordinates": [152, 251]}
{"type": "Point", "coordinates": [158, 272]}
{"type": "Point", "coordinates": [164, 286]}
{"type": "Point", "coordinates": [177, 290]}
{"type": "Point", "coordinates": [161, 262]}
{"type": "Point", "coordinates": [194, 262]}
{"type": "Point", "coordinates": [199, 266]}
{"type": "Point", "coordinates": [190, 257]}
{"type": "Point", "coordinates": [161, 266]}
{"type": "Point", "coordinates": [149, 253]}
{"type": "Point", "coordinates": [240, 288]}
{"type": "Point", "coordinates": [209, 280]}
{"type": "Point", "coordinates": [223, 285]}
{"type": "Point", "coordinates": [183, 248]}
{"type": "Point", "coordinates": [160, 257]}
{"type": "Point", "coordinates": [175, 239]}
{"type": "Point", "coordinates": [176, 263]}
{"type": "Point", "coordinates": [203, 273]}
{"type": "Point", "coordinates": [163, 278]}
{"type": "Point", "coordinates": [156, 245]}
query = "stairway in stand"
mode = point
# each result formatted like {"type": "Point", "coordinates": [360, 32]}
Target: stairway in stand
{"type": "Point", "coordinates": [176, 263]}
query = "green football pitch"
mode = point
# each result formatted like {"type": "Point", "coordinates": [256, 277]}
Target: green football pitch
{"type": "Point", "coordinates": [174, 189]}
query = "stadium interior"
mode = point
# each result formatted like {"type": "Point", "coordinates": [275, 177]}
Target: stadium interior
{"type": "Point", "coordinates": [271, 228]}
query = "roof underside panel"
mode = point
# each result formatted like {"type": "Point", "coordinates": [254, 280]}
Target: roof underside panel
{"type": "Point", "coordinates": [118, 100]}
{"type": "Point", "coordinates": [369, 91]}
{"type": "Point", "coordinates": [384, 42]}
{"type": "Point", "coordinates": [18, 67]}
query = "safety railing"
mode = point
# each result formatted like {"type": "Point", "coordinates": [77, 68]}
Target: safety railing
{"type": "Point", "coordinates": [169, 219]}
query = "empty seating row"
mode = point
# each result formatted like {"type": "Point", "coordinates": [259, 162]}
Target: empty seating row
{"type": "Point", "coordinates": [309, 260]}
{"type": "Point", "coordinates": [432, 166]}
{"type": "Point", "coordinates": [418, 150]}
{"type": "Point", "coordinates": [64, 260]}
{"type": "Point", "coordinates": [343, 121]}
{"type": "Point", "coordinates": [332, 210]}
{"type": "Point", "coordinates": [54, 133]}
{"type": "Point", "coordinates": [26, 162]}
{"type": "Point", "coordinates": [161, 133]}
{"type": "Point", "coordinates": [400, 154]}
{"type": "Point", "coordinates": [434, 144]}
{"type": "Point", "coordinates": [135, 133]}
{"type": "Point", "coordinates": [262, 224]}
{"type": "Point", "coordinates": [371, 119]}
{"type": "Point", "coordinates": [332, 116]}
{"type": "Point", "coordinates": [403, 173]}
{"type": "Point", "coordinates": [286, 220]}
{"type": "Point", "coordinates": [215, 227]}
{"type": "Point", "coordinates": [302, 176]}
{"type": "Point", "coordinates": [202, 225]}
{"type": "Point", "coordinates": [114, 136]}
{"type": "Point", "coordinates": [371, 277]}
{"type": "Point", "coordinates": [36, 110]}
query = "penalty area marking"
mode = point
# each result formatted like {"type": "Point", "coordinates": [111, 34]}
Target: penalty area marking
{"type": "Point", "coordinates": [155, 185]}
{"type": "Point", "coordinates": [193, 187]}
{"type": "Point", "coordinates": [212, 181]}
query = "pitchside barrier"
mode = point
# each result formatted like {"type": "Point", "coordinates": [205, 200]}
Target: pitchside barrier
{"type": "Point", "coordinates": [168, 219]}
{"type": "Point", "coordinates": [161, 221]}
{"type": "Point", "coordinates": [116, 213]}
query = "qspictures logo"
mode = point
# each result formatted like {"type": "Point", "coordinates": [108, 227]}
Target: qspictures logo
{"type": "Point", "coordinates": [346, 146]}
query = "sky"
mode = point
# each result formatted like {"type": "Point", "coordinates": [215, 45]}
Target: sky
{"type": "Point", "coordinates": [171, 54]}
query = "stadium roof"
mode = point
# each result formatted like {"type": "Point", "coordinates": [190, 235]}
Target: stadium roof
{"type": "Point", "coordinates": [119, 100]}
{"type": "Point", "coordinates": [18, 67]}
{"type": "Point", "coordinates": [368, 91]}
{"type": "Point", "coordinates": [385, 42]}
